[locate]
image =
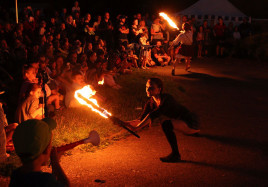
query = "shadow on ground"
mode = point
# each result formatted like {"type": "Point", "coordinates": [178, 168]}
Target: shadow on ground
{"type": "Point", "coordinates": [242, 143]}
{"type": "Point", "coordinates": [259, 84]}
{"type": "Point", "coordinates": [244, 171]}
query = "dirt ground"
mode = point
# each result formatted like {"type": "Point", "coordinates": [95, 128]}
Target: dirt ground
{"type": "Point", "coordinates": [230, 97]}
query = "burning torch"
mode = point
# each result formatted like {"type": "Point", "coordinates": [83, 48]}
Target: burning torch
{"type": "Point", "coordinates": [170, 22]}
{"type": "Point", "coordinates": [84, 97]}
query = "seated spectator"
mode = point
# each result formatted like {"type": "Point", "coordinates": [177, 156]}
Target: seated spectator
{"type": "Point", "coordinates": [133, 59]}
{"type": "Point", "coordinates": [145, 53]}
{"type": "Point", "coordinates": [6, 132]}
{"type": "Point", "coordinates": [35, 154]}
{"type": "Point", "coordinates": [77, 83]}
{"type": "Point", "coordinates": [29, 77]}
{"type": "Point", "coordinates": [88, 48]}
{"type": "Point", "coordinates": [107, 76]}
{"type": "Point", "coordinates": [29, 107]}
{"type": "Point", "coordinates": [159, 55]}
{"type": "Point", "coordinates": [51, 86]}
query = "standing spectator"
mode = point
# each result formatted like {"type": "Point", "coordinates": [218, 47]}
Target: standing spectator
{"type": "Point", "coordinates": [63, 15]}
{"type": "Point", "coordinates": [156, 31]}
{"type": "Point", "coordinates": [143, 27]}
{"type": "Point", "coordinates": [207, 38]}
{"type": "Point", "coordinates": [88, 29]}
{"type": "Point", "coordinates": [245, 28]}
{"type": "Point", "coordinates": [123, 31]}
{"type": "Point", "coordinates": [237, 38]}
{"type": "Point", "coordinates": [236, 34]}
{"type": "Point", "coordinates": [96, 25]}
{"type": "Point", "coordinates": [75, 8]}
{"type": "Point", "coordinates": [200, 41]}
{"type": "Point", "coordinates": [106, 30]}
{"type": "Point", "coordinates": [70, 28]}
{"type": "Point", "coordinates": [219, 33]}
{"type": "Point", "coordinates": [135, 32]}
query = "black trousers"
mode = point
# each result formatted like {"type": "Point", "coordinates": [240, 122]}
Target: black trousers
{"type": "Point", "coordinates": [167, 127]}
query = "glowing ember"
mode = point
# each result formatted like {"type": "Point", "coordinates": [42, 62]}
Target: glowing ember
{"type": "Point", "coordinates": [171, 23]}
{"type": "Point", "coordinates": [84, 97]}
{"type": "Point", "coordinates": [101, 82]}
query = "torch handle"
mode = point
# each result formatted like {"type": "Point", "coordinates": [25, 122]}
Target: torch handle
{"type": "Point", "coordinates": [120, 123]}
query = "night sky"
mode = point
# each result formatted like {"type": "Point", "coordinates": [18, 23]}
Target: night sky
{"type": "Point", "coordinates": [254, 8]}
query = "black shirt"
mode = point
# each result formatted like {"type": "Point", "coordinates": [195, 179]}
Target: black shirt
{"type": "Point", "coordinates": [170, 108]}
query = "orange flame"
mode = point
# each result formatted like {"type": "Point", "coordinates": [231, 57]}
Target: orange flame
{"type": "Point", "coordinates": [171, 23]}
{"type": "Point", "coordinates": [86, 92]}
{"type": "Point", "coordinates": [101, 82]}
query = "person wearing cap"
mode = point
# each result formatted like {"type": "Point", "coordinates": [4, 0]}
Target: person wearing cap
{"type": "Point", "coordinates": [6, 132]}
{"type": "Point", "coordinates": [33, 144]}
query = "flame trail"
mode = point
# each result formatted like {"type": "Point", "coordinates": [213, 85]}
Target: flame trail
{"type": "Point", "coordinates": [171, 23]}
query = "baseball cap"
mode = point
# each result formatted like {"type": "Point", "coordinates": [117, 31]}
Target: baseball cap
{"type": "Point", "coordinates": [32, 137]}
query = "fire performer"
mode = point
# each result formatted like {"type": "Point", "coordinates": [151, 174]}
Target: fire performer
{"type": "Point", "coordinates": [170, 113]}
{"type": "Point", "coordinates": [185, 50]}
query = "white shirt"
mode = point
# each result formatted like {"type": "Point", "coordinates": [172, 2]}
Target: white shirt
{"type": "Point", "coordinates": [184, 38]}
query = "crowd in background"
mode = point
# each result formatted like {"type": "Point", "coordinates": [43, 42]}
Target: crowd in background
{"type": "Point", "coordinates": [69, 49]}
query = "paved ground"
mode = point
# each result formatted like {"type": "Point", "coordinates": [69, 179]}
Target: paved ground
{"type": "Point", "coordinates": [230, 96]}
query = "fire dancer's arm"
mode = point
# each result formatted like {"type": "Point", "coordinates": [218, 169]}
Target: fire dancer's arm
{"type": "Point", "coordinates": [146, 121]}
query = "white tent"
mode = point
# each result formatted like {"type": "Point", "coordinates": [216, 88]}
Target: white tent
{"type": "Point", "coordinates": [212, 9]}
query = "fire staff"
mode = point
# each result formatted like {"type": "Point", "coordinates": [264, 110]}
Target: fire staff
{"type": "Point", "coordinates": [170, 113]}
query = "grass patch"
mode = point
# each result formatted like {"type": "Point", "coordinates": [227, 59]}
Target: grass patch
{"type": "Point", "coordinates": [76, 123]}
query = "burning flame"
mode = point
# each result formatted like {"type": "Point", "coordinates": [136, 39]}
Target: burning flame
{"type": "Point", "coordinates": [171, 23]}
{"type": "Point", "coordinates": [101, 82]}
{"type": "Point", "coordinates": [86, 92]}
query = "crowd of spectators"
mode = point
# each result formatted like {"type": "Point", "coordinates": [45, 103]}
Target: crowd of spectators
{"type": "Point", "coordinates": [68, 50]}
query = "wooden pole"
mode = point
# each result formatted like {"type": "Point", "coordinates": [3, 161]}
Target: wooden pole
{"type": "Point", "coordinates": [17, 14]}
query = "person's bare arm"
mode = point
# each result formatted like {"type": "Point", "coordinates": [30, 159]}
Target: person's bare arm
{"type": "Point", "coordinates": [57, 170]}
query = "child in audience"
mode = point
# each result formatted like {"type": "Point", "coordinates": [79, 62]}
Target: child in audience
{"type": "Point", "coordinates": [77, 83]}
{"type": "Point", "coordinates": [132, 58]}
{"type": "Point", "coordinates": [30, 108]}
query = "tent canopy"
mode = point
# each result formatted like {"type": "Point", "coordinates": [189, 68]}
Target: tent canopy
{"type": "Point", "coordinates": [212, 7]}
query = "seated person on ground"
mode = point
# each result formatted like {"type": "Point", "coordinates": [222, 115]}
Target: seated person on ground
{"type": "Point", "coordinates": [29, 108]}
{"type": "Point", "coordinates": [159, 55]}
{"type": "Point", "coordinates": [77, 83]}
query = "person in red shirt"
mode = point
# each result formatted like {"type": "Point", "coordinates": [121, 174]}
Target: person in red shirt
{"type": "Point", "coordinates": [219, 33]}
